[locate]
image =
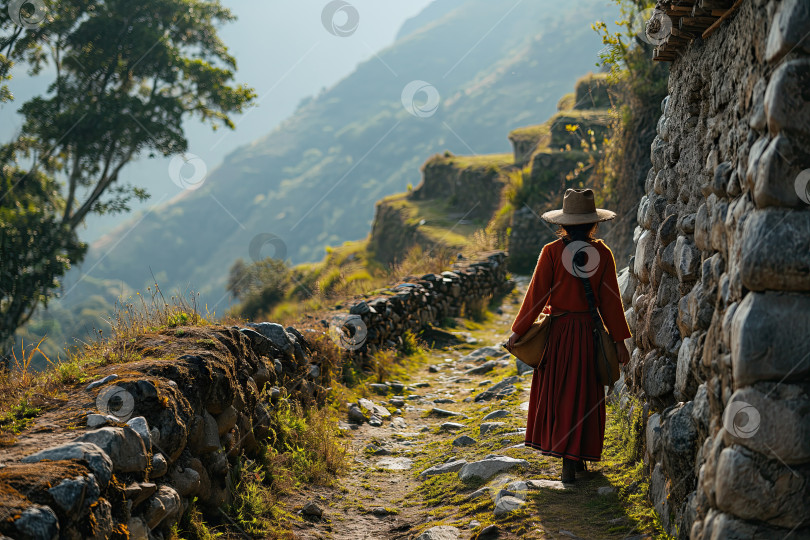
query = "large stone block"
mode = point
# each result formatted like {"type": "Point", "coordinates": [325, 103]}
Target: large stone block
{"type": "Point", "coordinates": [659, 377]}
{"type": "Point", "coordinates": [769, 338]}
{"type": "Point", "coordinates": [766, 491]}
{"type": "Point", "coordinates": [663, 325]}
{"type": "Point", "coordinates": [787, 103]}
{"type": "Point", "coordinates": [789, 30]}
{"type": "Point", "coordinates": [679, 442]}
{"type": "Point", "coordinates": [721, 526]}
{"type": "Point", "coordinates": [123, 444]}
{"type": "Point", "coordinates": [645, 254]}
{"type": "Point", "coordinates": [775, 251]}
{"type": "Point", "coordinates": [687, 259]}
{"type": "Point", "coordinates": [778, 169]}
{"type": "Point", "coordinates": [771, 419]}
{"type": "Point", "coordinates": [685, 382]}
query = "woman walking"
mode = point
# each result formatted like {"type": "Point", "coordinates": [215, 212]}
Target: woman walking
{"type": "Point", "coordinates": [567, 403]}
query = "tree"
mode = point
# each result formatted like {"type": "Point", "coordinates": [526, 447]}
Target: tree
{"type": "Point", "coordinates": [259, 286]}
{"type": "Point", "coordinates": [127, 74]}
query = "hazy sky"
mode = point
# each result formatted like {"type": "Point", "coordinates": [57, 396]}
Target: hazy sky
{"type": "Point", "coordinates": [283, 50]}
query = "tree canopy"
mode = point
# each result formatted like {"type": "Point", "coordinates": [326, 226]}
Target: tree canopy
{"type": "Point", "coordinates": [125, 77]}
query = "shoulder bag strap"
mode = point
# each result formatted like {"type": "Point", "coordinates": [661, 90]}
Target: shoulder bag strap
{"type": "Point", "coordinates": [597, 320]}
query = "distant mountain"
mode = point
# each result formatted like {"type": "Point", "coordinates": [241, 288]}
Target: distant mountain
{"type": "Point", "coordinates": [313, 181]}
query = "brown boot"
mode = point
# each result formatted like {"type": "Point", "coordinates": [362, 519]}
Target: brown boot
{"type": "Point", "coordinates": [569, 471]}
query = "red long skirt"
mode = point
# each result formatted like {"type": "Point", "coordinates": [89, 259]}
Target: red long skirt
{"type": "Point", "coordinates": [567, 403]}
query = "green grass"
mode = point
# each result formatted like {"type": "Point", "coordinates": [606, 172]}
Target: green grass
{"type": "Point", "coordinates": [19, 417]}
{"type": "Point", "coordinates": [530, 134]}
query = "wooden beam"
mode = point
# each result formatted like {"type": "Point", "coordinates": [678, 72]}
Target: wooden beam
{"type": "Point", "coordinates": [710, 30]}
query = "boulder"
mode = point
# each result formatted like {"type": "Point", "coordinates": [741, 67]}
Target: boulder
{"type": "Point", "coordinates": [210, 439]}
{"type": "Point", "coordinates": [98, 460]}
{"type": "Point", "coordinates": [159, 465]}
{"type": "Point", "coordinates": [186, 481]}
{"type": "Point", "coordinates": [137, 529]}
{"type": "Point", "coordinates": [504, 388]}
{"type": "Point", "coordinates": [645, 253]}
{"type": "Point", "coordinates": [786, 106]}
{"type": "Point", "coordinates": [769, 338]}
{"type": "Point", "coordinates": [226, 420]}
{"type": "Point", "coordinates": [73, 495]}
{"type": "Point", "coordinates": [775, 253]}
{"type": "Point", "coordinates": [777, 170]}
{"type": "Point", "coordinates": [464, 440]}
{"type": "Point", "coordinates": [658, 377]}
{"type": "Point", "coordinates": [163, 508]}
{"type": "Point", "coordinates": [679, 446]}
{"type": "Point", "coordinates": [37, 523]}
{"type": "Point", "coordinates": [788, 30]}
{"type": "Point", "coordinates": [768, 492]}
{"type": "Point", "coordinates": [277, 335]}
{"type": "Point", "coordinates": [685, 382]}
{"type": "Point", "coordinates": [771, 419]}
{"type": "Point", "coordinates": [488, 427]}
{"type": "Point", "coordinates": [442, 532]}
{"type": "Point", "coordinates": [507, 504]}
{"type": "Point", "coordinates": [141, 427]}
{"type": "Point", "coordinates": [497, 414]}
{"type": "Point", "coordinates": [488, 467]}
{"type": "Point", "coordinates": [123, 444]}
{"type": "Point", "coordinates": [312, 509]}
{"type": "Point", "coordinates": [445, 413]}
{"type": "Point", "coordinates": [370, 408]}
{"type": "Point", "coordinates": [687, 260]}
{"type": "Point", "coordinates": [486, 367]}
{"type": "Point", "coordinates": [443, 468]}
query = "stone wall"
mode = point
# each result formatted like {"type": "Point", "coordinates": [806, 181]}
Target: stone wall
{"type": "Point", "coordinates": [720, 283]}
{"type": "Point", "coordinates": [425, 300]}
{"type": "Point", "coordinates": [123, 456]}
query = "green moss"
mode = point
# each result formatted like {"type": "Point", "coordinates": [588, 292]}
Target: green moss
{"type": "Point", "coordinates": [566, 103]}
{"type": "Point", "coordinates": [19, 417]}
{"type": "Point", "coordinates": [529, 134]}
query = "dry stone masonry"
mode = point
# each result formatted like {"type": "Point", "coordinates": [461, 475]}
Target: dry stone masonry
{"type": "Point", "coordinates": [718, 292]}
{"type": "Point", "coordinates": [130, 450]}
{"type": "Point", "coordinates": [429, 299]}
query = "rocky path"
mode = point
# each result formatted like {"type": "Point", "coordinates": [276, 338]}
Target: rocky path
{"type": "Point", "coordinates": [440, 456]}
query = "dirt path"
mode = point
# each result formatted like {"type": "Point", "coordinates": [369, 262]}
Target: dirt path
{"type": "Point", "coordinates": [383, 496]}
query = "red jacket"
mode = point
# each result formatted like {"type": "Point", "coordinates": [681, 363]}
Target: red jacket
{"type": "Point", "coordinates": [554, 286]}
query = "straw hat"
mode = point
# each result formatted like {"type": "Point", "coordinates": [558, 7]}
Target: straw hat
{"type": "Point", "coordinates": [578, 208]}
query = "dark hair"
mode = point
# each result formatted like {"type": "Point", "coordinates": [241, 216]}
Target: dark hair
{"type": "Point", "coordinates": [584, 232]}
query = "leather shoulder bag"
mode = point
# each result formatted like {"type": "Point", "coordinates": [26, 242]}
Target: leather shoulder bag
{"type": "Point", "coordinates": [530, 348]}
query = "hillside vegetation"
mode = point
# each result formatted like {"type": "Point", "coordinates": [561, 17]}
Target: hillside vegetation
{"type": "Point", "coordinates": [313, 181]}
{"type": "Point", "coordinates": [463, 205]}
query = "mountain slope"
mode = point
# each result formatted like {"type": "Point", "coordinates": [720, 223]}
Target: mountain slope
{"type": "Point", "coordinates": [314, 180]}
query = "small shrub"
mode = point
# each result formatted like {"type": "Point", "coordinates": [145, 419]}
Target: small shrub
{"type": "Point", "coordinates": [410, 344]}
{"type": "Point", "coordinates": [180, 318]}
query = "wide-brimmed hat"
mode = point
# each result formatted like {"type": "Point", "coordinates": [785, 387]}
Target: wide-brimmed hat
{"type": "Point", "coordinates": [578, 208]}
